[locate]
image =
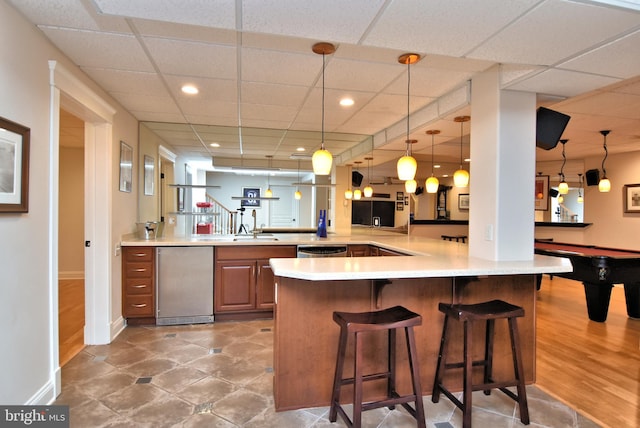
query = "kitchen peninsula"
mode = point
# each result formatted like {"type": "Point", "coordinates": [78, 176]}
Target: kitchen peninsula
{"type": "Point", "coordinates": [308, 290]}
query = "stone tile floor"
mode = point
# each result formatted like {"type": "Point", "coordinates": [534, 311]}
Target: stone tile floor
{"type": "Point", "coordinates": [220, 375]}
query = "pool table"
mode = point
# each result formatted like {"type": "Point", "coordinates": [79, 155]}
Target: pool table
{"type": "Point", "coordinates": [599, 268]}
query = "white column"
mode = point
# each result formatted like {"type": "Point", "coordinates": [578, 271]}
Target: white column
{"type": "Point", "coordinates": [503, 156]}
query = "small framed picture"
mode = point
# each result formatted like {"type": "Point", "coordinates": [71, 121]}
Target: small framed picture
{"type": "Point", "coordinates": [399, 206]}
{"type": "Point", "coordinates": [632, 198]}
{"type": "Point", "coordinates": [14, 167]}
{"type": "Point", "coordinates": [149, 166]}
{"type": "Point", "coordinates": [541, 194]}
{"type": "Point", "coordinates": [463, 201]}
{"type": "Point", "coordinates": [126, 166]}
{"type": "Point", "coordinates": [406, 200]}
{"type": "Point", "coordinates": [399, 196]}
{"type": "Point", "coordinates": [252, 195]}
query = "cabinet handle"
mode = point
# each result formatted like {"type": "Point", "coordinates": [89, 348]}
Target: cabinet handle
{"type": "Point", "coordinates": [139, 305]}
{"type": "Point", "coordinates": [140, 254]}
{"type": "Point", "coordinates": [140, 270]}
{"type": "Point", "coordinates": [139, 286]}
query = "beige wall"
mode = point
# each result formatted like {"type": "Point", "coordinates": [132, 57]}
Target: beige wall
{"type": "Point", "coordinates": [25, 292]}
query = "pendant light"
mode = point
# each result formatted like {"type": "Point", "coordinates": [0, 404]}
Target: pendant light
{"type": "Point", "coordinates": [563, 187]}
{"type": "Point", "coordinates": [348, 194]}
{"type": "Point", "coordinates": [604, 185]}
{"type": "Point", "coordinates": [407, 165]}
{"type": "Point", "coordinates": [580, 197]}
{"type": "Point", "coordinates": [268, 193]}
{"type": "Point", "coordinates": [368, 190]}
{"type": "Point", "coordinates": [410, 186]}
{"type": "Point", "coordinates": [357, 193]}
{"type": "Point", "coordinates": [298, 194]}
{"type": "Point", "coordinates": [461, 176]}
{"type": "Point", "coordinates": [322, 159]}
{"type": "Point", "coordinates": [432, 182]}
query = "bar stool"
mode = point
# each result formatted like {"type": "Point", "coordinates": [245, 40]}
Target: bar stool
{"type": "Point", "coordinates": [358, 323]}
{"type": "Point", "coordinates": [458, 238]}
{"type": "Point", "coordinates": [489, 311]}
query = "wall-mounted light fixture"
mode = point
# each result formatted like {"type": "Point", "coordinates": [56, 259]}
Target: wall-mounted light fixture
{"type": "Point", "coordinates": [432, 182]}
{"type": "Point", "coordinates": [604, 185]}
{"type": "Point", "coordinates": [461, 176]}
{"type": "Point", "coordinates": [563, 187]}
{"type": "Point", "coordinates": [407, 165]}
{"type": "Point", "coordinates": [322, 158]}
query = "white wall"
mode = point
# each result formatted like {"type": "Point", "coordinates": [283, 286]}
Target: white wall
{"type": "Point", "coordinates": [25, 297]}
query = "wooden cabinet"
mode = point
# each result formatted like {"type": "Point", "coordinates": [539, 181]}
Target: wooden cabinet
{"type": "Point", "coordinates": [358, 250]}
{"type": "Point", "coordinates": [138, 284]}
{"type": "Point", "coordinates": [385, 252]}
{"type": "Point", "coordinates": [244, 283]}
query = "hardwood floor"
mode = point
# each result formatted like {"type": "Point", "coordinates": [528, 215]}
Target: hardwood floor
{"type": "Point", "coordinates": [592, 367]}
{"type": "Point", "coordinates": [70, 318]}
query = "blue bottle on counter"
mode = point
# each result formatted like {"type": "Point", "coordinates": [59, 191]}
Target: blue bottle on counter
{"type": "Point", "coordinates": [322, 224]}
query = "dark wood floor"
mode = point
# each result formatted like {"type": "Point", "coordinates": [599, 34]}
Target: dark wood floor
{"type": "Point", "coordinates": [593, 367]}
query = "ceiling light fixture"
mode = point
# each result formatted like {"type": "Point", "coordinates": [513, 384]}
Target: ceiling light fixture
{"type": "Point", "coordinates": [580, 197]}
{"type": "Point", "coordinates": [322, 158]}
{"type": "Point", "coordinates": [432, 182]}
{"type": "Point", "coordinates": [368, 190]}
{"type": "Point", "coordinates": [298, 194]}
{"type": "Point", "coordinates": [461, 176]}
{"type": "Point", "coordinates": [189, 89]}
{"type": "Point", "coordinates": [407, 164]}
{"type": "Point", "coordinates": [410, 186]}
{"type": "Point", "coordinates": [269, 193]}
{"type": "Point", "coordinates": [346, 102]}
{"type": "Point", "coordinates": [604, 185]}
{"type": "Point", "coordinates": [348, 194]}
{"type": "Point", "coordinates": [563, 187]}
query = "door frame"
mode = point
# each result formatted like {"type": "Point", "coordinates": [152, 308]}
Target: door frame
{"type": "Point", "coordinates": [67, 92]}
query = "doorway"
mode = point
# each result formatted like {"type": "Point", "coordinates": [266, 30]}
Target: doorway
{"type": "Point", "coordinates": [71, 307]}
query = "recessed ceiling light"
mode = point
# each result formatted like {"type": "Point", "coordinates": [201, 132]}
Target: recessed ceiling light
{"type": "Point", "coordinates": [346, 102]}
{"type": "Point", "coordinates": [300, 149]}
{"type": "Point", "coordinates": [436, 166]}
{"type": "Point", "coordinates": [214, 145]}
{"type": "Point", "coordinates": [189, 89]}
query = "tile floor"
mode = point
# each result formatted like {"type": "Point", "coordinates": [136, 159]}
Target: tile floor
{"type": "Point", "coordinates": [220, 375]}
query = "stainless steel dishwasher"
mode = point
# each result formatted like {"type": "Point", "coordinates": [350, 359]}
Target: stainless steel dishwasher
{"type": "Point", "coordinates": [184, 293]}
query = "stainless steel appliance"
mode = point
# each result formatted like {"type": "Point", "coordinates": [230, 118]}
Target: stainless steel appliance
{"type": "Point", "coordinates": [306, 251]}
{"type": "Point", "coordinates": [184, 282]}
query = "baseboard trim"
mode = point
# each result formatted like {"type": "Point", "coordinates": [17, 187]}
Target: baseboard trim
{"type": "Point", "coordinates": [117, 327]}
{"type": "Point", "coordinates": [45, 395]}
{"type": "Point", "coordinates": [71, 275]}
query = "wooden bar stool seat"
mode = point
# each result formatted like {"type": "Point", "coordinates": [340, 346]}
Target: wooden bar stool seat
{"type": "Point", "coordinates": [468, 314]}
{"type": "Point", "coordinates": [357, 323]}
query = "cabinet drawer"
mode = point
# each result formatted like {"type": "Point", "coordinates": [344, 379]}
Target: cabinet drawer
{"type": "Point", "coordinates": [138, 254]}
{"type": "Point", "coordinates": [139, 306]}
{"type": "Point", "coordinates": [138, 286]}
{"type": "Point", "coordinates": [138, 270]}
{"type": "Point", "coordinates": [248, 252]}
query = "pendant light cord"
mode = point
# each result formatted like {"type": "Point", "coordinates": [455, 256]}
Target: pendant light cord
{"type": "Point", "coordinates": [461, 132]}
{"type": "Point", "coordinates": [606, 153]}
{"type": "Point", "coordinates": [323, 65]}
{"type": "Point", "coordinates": [564, 160]}
{"type": "Point", "coordinates": [408, 94]}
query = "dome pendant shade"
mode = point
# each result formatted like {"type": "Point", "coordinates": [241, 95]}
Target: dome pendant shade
{"type": "Point", "coordinates": [357, 194]}
{"type": "Point", "coordinates": [348, 194]}
{"type": "Point", "coordinates": [563, 188]}
{"type": "Point", "coordinates": [432, 184]}
{"type": "Point", "coordinates": [410, 186]}
{"type": "Point", "coordinates": [407, 167]}
{"type": "Point", "coordinates": [268, 193]}
{"type": "Point", "coordinates": [604, 185]}
{"type": "Point", "coordinates": [368, 192]}
{"type": "Point", "coordinates": [321, 162]}
{"type": "Point", "coordinates": [461, 178]}
{"type": "Point", "coordinates": [298, 195]}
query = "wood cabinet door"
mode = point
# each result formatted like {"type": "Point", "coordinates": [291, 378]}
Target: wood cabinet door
{"type": "Point", "coordinates": [235, 287]}
{"type": "Point", "coordinates": [358, 251]}
{"type": "Point", "coordinates": [265, 286]}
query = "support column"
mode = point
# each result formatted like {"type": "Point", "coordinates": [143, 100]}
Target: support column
{"type": "Point", "coordinates": [503, 157]}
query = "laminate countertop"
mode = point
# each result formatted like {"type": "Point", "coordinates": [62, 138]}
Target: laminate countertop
{"type": "Point", "coordinates": [425, 257]}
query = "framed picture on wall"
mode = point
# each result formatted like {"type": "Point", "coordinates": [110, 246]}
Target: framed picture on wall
{"type": "Point", "coordinates": [632, 198]}
{"type": "Point", "coordinates": [541, 194]}
{"type": "Point", "coordinates": [399, 196]}
{"type": "Point", "coordinates": [463, 201]}
{"type": "Point", "coordinates": [251, 197]}
{"type": "Point", "coordinates": [126, 167]}
{"type": "Point", "coordinates": [399, 206]}
{"type": "Point", "coordinates": [149, 166]}
{"type": "Point", "coordinates": [14, 167]}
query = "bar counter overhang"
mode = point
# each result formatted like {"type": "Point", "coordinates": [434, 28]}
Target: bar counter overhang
{"type": "Point", "coordinates": [308, 291]}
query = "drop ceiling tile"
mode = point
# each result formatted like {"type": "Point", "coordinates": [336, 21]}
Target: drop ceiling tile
{"type": "Point", "coordinates": [100, 50]}
{"type": "Point", "coordinates": [194, 33]}
{"type": "Point", "coordinates": [360, 76]}
{"type": "Point", "coordinates": [134, 82]}
{"type": "Point", "coordinates": [59, 13]}
{"type": "Point", "coordinates": [146, 103]}
{"type": "Point", "coordinates": [280, 67]}
{"type": "Point", "coordinates": [563, 83]}
{"type": "Point", "coordinates": [212, 13]}
{"type": "Point", "coordinates": [147, 116]}
{"type": "Point", "coordinates": [620, 58]}
{"type": "Point", "coordinates": [209, 89]}
{"type": "Point", "coordinates": [193, 59]}
{"type": "Point", "coordinates": [264, 93]}
{"type": "Point", "coordinates": [523, 42]}
{"type": "Point", "coordinates": [328, 20]}
{"type": "Point", "coordinates": [426, 27]}
{"type": "Point", "coordinates": [209, 107]}
{"type": "Point", "coordinates": [267, 112]}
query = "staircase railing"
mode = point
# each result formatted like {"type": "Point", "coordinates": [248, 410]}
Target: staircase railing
{"type": "Point", "coordinates": [224, 218]}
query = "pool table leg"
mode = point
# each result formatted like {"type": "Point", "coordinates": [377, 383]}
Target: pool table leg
{"type": "Point", "coordinates": [598, 297]}
{"type": "Point", "coordinates": [632, 296]}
